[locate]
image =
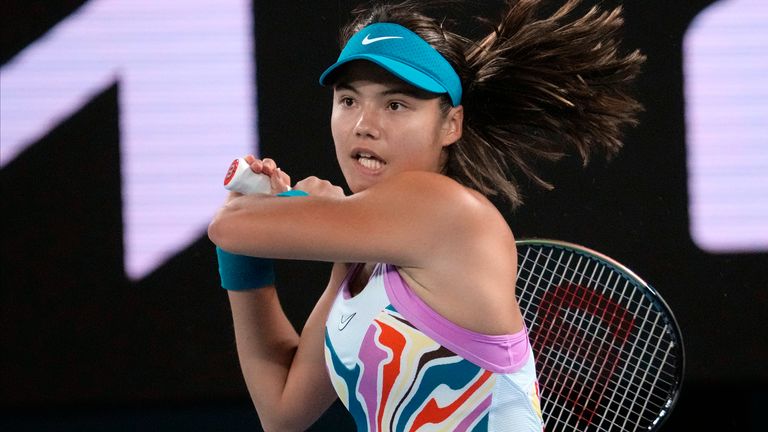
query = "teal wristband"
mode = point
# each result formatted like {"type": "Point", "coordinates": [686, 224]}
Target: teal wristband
{"type": "Point", "coordinates": [241, 272]}
{"type": "Point", "coordinates": [292, 193]}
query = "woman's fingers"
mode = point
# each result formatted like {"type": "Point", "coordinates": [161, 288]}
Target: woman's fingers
{"type": "Point", "coordinates": [256, 165]}
{"type": "Point", "coordinates": [318, 187]}
{"type": "Point", "coordinates": [268, 166]}
{"type": "Point", "coordinates": [279, 181]}
{"type": "Point", "coordinates": [261, 166]}
{"type": "Point", "coordinates": [285, 178]}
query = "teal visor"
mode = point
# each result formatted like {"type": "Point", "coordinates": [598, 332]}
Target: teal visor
{"type": "Point", "coordinates": [404, 54]}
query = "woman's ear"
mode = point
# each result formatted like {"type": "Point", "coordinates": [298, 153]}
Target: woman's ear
{"type": "Point", "coordinates": [453, 126]}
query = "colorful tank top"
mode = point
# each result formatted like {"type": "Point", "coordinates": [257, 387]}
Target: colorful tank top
{"type": "Point", "coordinates": [397, 365]}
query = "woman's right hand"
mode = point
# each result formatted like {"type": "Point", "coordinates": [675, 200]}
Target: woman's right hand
{"type": "Point", "coordinates": [279, 180]}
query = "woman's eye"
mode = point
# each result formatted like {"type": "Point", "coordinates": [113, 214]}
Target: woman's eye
{"type": "Point", "coordinates": [394, 106]}
{"type": "Point", "coordinates": [347, 101]}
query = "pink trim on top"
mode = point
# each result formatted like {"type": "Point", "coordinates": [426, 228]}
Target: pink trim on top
{"type": "Point", "coordinates": [496, 353]}
{"type": "Point", "coordinates": [354, 269]}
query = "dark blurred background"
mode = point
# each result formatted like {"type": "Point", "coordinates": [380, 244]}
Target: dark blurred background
{"type": "Point", "coordinates": [86, 347]}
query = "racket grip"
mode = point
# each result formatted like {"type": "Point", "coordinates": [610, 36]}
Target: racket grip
{"type": "Point", "coordinates": [240, 178]}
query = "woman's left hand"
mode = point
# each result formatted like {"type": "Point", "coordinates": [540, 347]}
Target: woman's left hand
{"type": "Point", "coordinates": [318, 187]}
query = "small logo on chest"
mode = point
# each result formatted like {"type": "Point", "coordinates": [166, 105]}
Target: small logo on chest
{"type": "Point", "coordinates": [345, 319]}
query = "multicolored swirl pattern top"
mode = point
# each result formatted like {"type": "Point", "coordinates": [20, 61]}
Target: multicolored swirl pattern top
{"type": "Point", "coordinates": [397, 365]}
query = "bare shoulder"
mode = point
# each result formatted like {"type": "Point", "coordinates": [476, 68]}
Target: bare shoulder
{"type": "Point", "coordinates": [471, 229]}
{"type": "Point", "coordinates": [423, 181]}
{"type": "Point", "coordinates": [441, 196]}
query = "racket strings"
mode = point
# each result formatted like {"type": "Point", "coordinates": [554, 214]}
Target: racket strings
{"type": "Point", "coordinates": [556, 383]}
{"type": "Point", "coordinates": [593, 398]}
{"type": "Point", "coordinates": [568, 381]}
{"type": "Point", "coordinates": [596, 319]}
{"type": "Point", "coordinates": [558, 268]}
{"type": "Point", "coordinates": [591, 355]}
{"type": "Point", "coordinates": [591, 278]}
{"type": "Point", "coordinates": [594, 283]}
{"type": "Point", "coordinates": [657, 391]}
{"type": "Point", "coordinates": [582, 379]}
{"type": "Point", "coordinates": [654, 334]}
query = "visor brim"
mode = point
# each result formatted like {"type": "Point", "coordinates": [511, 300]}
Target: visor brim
{"type": "Point", "coordinates": [397, 68]}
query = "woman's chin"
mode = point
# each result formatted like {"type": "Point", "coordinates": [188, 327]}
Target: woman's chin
{"type": "Point", "coordinates": [359, 182]}
{"type": "Point", "coordinates": [356, 187]}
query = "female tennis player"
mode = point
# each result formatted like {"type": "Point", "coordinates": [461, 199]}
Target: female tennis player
{"type": "Point", "coordinates": [419, 328]}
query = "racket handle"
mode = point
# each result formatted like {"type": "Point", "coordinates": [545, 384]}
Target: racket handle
{"type": "Point", "coordinates": [240, 178]}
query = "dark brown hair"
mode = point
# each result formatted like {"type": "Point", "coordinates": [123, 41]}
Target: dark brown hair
{"type": "Point", "coordinates": [535, 88]}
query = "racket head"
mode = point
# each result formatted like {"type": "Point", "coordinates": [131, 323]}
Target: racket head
{"type": "Point", "coordinates": [609, 352]}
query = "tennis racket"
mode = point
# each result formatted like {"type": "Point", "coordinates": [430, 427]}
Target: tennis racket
{"type": "Point", "coordinates": [609, 354]}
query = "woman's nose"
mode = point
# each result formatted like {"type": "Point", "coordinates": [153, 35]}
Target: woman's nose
{"type": "Point", "coordinates": [367, 125]}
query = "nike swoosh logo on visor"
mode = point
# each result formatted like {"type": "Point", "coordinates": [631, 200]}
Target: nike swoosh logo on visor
{"type": "Point", "coordinates": [369, 40]}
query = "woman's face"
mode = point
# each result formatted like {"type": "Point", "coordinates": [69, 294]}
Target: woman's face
{"type": "Point", "coordinates": [382, 126]}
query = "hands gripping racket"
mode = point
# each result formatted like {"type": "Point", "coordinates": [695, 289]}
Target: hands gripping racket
{"type": "Point", "coordinates": [240, 178]}
{"type": "Point", "coordinates": [609, 353]}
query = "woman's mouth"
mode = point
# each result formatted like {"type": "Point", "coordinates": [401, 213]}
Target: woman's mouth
{"type": "Point", "coordinates": [369, 160]}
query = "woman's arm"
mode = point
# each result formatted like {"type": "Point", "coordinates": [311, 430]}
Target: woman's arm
{"type": "Point", "coordinates": [279, 365]}
{"type": "Point", "coordinates": [285, 373]}
{"type": "Point", "coordinates": [402, 221]}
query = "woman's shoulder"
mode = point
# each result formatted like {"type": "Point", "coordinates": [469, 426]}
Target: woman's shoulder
{"type": "Point", "coordinates": [467, 213]}
{"type": "Point", "coordinates": [439, 191]}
